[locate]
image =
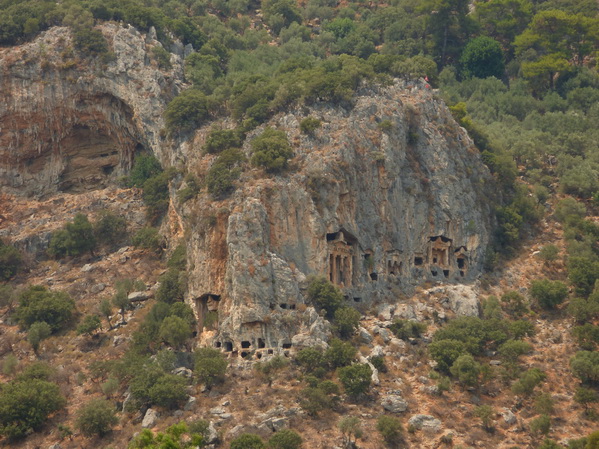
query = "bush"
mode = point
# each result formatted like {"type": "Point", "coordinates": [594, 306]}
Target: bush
{"type": "Point", "coordinates": [188, 111]}
{"type": "Point", "coordinates": [339, 353]}
{"type": "Point", "coordinates": [540, 425]}
{"type": "Point", "coordinates": [285, 439]}
{"type": "Point", "coordinates": [89, 325]}
{"type": "Point", "coordinates": [309, 125]}
{"type": "Point", "coordinates": [482, 57]}
{"type": "Point", "coordinates": [210, 366]}
{"type": "Point", "coordinates": [172, 287]}
{"type": "Point", "coordinates": [178, 259]}
{"type": "Point", "coordinates": [37, 304]}
{"type": "Point", "coordinates": [10, 261]}
{"type": "Point", "coordinates": [110, 229]}
{"type": "Point", "coordinates": [247, 441]}
{"type": "Point", "coordinates": [466, 369]}
{"type": "Point", "coordinates": [445, 353]}
{"type": "Point", "coordinates": [156, 196]}
{"type": "Point", "coordinates": [97, 417]}
{"type": "Point", "coordinates": [174, 331]}
{"type": "Point", "coordinates": [485, 413]}
{"type": "Point", "coordinates": [168, 391]}
{"type": "Point", "coordinates": [148, 238]}
{"type": "Point", "coordinates": [271, 150]}
{"type": "Point", "coordinates": [406, 329]}
{"type": "Point", "coordinates": [325, 295]}
{"type": "Point", "coordinates": [346, 321]}
{"type": "Point", "coordinates": [515, 303]}
{"type": "Point", "coordinates": [310, 359]}
{"type": "Point", "coordinates": [549, 253]}
{"type": "Point", "coordinates": [356, 378]}
{"type": "Point", "coordinates": [528, 381]}
{"type": "Point", "coordinates": [268, 369]}
{"type": "Point", "coordinates": [90, 42]}
{"type": "Point", "coordinates": [511, 350]}
{"type": "Point", "coordinates": [222, 139]}
{"type": "Point", "coordinates": [583, 272]}
{"type": "Point", "coordinates": [585, 366]}
{"type": "Point", "coordinates": [145, 166]}
{"type": "Point", "coordinates": [390, 429]}
{"type": "Point", "coordinates": [38, 332]}
{"type": "Point", "coordinates": [74, 239]}
{"type": "Point", "coordinates": [25, 405]}
{"type": "Point", "coordinates": [162, 57]}
{"type": "Point", "coordinates": [220, 180]}
{"type": "Point", "coordinates": [548, 293]}
{"type": "Point", "coordinates": [316, 399]}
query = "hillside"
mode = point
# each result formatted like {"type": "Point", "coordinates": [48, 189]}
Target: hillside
{"type": "Point", "coordinates": [287, 225]}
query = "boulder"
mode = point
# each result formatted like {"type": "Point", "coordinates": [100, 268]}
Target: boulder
{"type": "Point", "coordinates": [426, 423]}
{"type": "Point", "coordinates": [150, 419]}
{"type": "Point", "coordinates": [394, 403]}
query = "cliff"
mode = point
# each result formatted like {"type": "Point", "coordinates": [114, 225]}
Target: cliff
{"type": "Point", "coordinates": [385, 196]}
{"type": "Point", "coordinates": [72, 122]}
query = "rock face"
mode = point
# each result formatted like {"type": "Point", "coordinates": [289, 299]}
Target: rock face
{"type": "Point", "coordinates": [376, 212]}
{"type": "Point", "coordinates": [73, 124]}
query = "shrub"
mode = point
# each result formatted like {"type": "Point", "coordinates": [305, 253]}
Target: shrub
{"type": "Point", "coordinates": [168, 390]}
{"type": "Point", "coordinates": [110, 229]}
{"type": "Point", "coordinates": [515, 303]}
{"type": "Point", "coordinates": [544, 404]}
{"type": "Point", "coordinates": [189, 110]}
{"type": "Point", "coordinates": [549, 293]}
{"type": "Point", "coordinates": [346, 321]}
{"type": "Point", "coordinates": [148, 238]}
{"type": "Point", "coordinates": [74, 239]}
{"type": "Point", "coordinates": [549, 253]}
{"type": "Point", "coordinates": [511, 350]}
{"type": "Point", "coordinates": [325, 295]}
{"type": "Point", "coordinates": [90, 42]}
{"type": "Point", "coordinates": [585, 366]}
{"type": "Point", "coordinates": [390, 429]}
{"type": "Point", "coordinates": [315, 399]}
{"type": "Point", "coordinates": [37, 304]}
{"type": "Point", "coordinates": [97, 417]}
{"type": "Point", "coordinates": [220, 180]}
{"type": "Point", "coordinates": [89, 325]}
{"type": "Point", "coordinates": [540, 425]}
{"type": "Point", "coordinates": [25, 405]}
{"type": "Point", "coordinates": [210, 366]}
{"type": "Point", "coordinates": [583, 272]}
{"type": "Point", "coordinates": [385, 126]}
{"type": "Point", "coordinates": [145, 166]}
{"type": "Point", "coordinates": [110, 387]}
{"type": "Point", "coordinates": [406, 329]}
{"type": "Point", "coordinates": [482, 57]}
{"type": "Point", "coordinates": [38, 331]}
{"type": "Point", "coordinates": [174, 331]}
{"type": "Point", "coordinates": [445, 353]}
{"type": "Point", "coordinates": [268, 369]}
{"type": "Point", "coordinates": [271, 150]}
{"type": "Point", "coordinates": [10, 261]}
{"type": "Point", "coordinates": [351, 429]}
{"type": "Point", "coordinates": [339, 353]}
{"type": "Point", "coordinates": [222, 139]}
{"type": "Point", "coordinates": [587, 336]}
{"type": "Point", "coordinates": [248, 441]}
{"type": "Point", "coordinates": [485, 413]}
{"type": "Point", "coordinates": [156, 196]}
{"type": "Point", "coordinates": [309, 125]}
{"type": "Point", "coordinates": [528, 381]}
{"type": "Point", "coordinates": [285, 439]}
{"type": "Point", "coordinates": [162, 57]}
{"type": "Point", "coordinates": [356, 378]}
{"type": "Point", "coordinates": [310, 359]}
{"type": "Point", "coordinates": [172, 287]}
{"type": "Point", "coordinates": [585, 397]}
{"type": "Point", "coordinates": [466, 369]}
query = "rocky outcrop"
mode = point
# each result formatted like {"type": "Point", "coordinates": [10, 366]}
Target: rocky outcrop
{"type": "Point", "coordinates": [71, 123]}
{"type": "Point", "coordinates": [376, 209]}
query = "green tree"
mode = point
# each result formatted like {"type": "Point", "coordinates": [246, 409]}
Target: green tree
{"type": "Point", "coordinates": [74, 239]}
{"type": "Point", "coordinates": [325, 295]}
{"type": "Point", "coordinates": [285, 439]}
{"type": "Point", "coordinates": [25, 405]}
{"type": "Point", "coordinates": [210, 366]}
{"type": "Point", "coordinates": [271, 150]}
{"type": "Point", "coordinates": [97, 417]}
{"type": "Point", "coordinates": [175, 331]}
{"type": "Point", "coordinates": [268, 370]}
{"type": "Point", "coordinates": [145, 166]}
{"type": "Point", "coordinates": [390, 429]}
{"type": "Point", "coordinates": [105, 310]}
{"type": "Point", "coordinates": [504, 19]}
{"type": "Point", "coordinates": [248, 441]}
{"type": "Point", "coordinates": [445, 353]}
{"type": "Point", "coordinates": [406, 329]}
{"type": "Point", "coordinates": [356, 379]}
{"type": "Point", "coordinates": [37, 304]}
{"type": "Point", "coordinates": [222, 139]}
{"type": "Point", "coordinates": [38, 332]}
{"type": "Point", "coordinates": [89, 324]}
{"type": "Point", "coordinates": [540, 425]}
{"type": "Point", "coordinates": [511, 350]}
{"type": "Point", "coordinates": [10, 261]}
{"type": "Point", "coordinates": [481, 58]}
{"type": "Point", "coordinates": [339, 353]}
{"type": "Point", "coordinates": [110, 229]}
{"type": "Point", "coordinates": [351, 429]}
{"type": "Point", "coordinates": [585, 366]}
{"type": "Point", "coordinates": [148, 238]}
{"type": "Point", "coordinates": [548, 293]}
{"type": "Point", "coordinates": [280, 14]}
{"type": "Point", "coordinates": [485, 413]}
{"type": "Point", "coordinates": [346, 321]}
{"type": "Point", "coordinates": [583, 272]}
{"type": "Point", "coordinates": [527, 382]}
{"type": "Point", "coordinates": [585, 397]}
{"type": "Point", "coordinates": [466, 369]}
{"type": "Point", "coordinates": [168, 391]}
{"type": "Point", "coordinates": [172, 287]}
{"type": "Point", "coordinates": [189, 110]}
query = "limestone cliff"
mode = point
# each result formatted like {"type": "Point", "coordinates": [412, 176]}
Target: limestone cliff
{"type": "Point", "coordinates": [70, 123]}
{"type": "Point", "coordinates": [387, 195]}
{"type": "Point", "coordinates": [377, 209]}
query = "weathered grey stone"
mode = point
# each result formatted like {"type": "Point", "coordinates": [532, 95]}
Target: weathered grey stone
{"type": "Point", "coordinates": [150, 419]}
{"type": "Point", "coordinates": [191, 404]}
{"type": "Point", "coordinates": [508, 416]}
{"type": "Point", "coordinates": [364, 335]}
{"type": "Point", "coordinates": [182, 371]}
{"type": "Point", "coordinates": [394, 403]}
{"type": "Point", "coordinates": [97, 288]}
{"type": "Point", "coordinates": [140, 296]}
{"type": "Point", "coordinates": [212, 437]}
{"type": "Point", "coordinates": [426, 423]}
